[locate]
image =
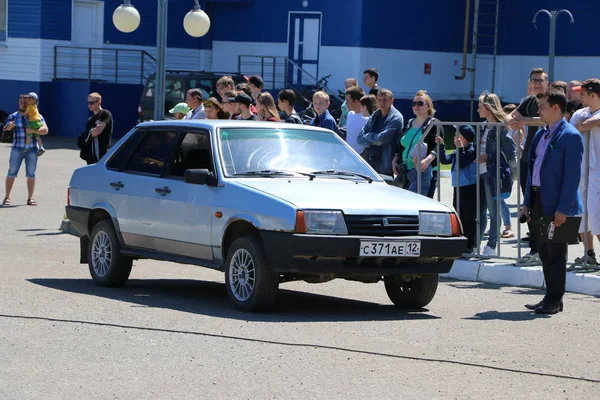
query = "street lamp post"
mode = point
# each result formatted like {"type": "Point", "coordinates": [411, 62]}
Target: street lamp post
{"type": "Point", "coordinates": [196, 23]}
{"type": "Point", "coordinates": [553, 16]}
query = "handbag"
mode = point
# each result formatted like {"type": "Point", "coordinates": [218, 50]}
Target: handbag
{"type": "Point", "coordinates": [506, 181]}
{"type": "Point", "coordinates": [402, 178]}
{"type": "Point", "coordinates": [84, 144]}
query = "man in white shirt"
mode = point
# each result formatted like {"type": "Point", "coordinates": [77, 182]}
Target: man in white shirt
{"type": "Point", "coordinates": [587, 121]}
{"type": "Point", "coordinates": [355, 121]}
{"type": "Point", "coordinates": [193, 98]}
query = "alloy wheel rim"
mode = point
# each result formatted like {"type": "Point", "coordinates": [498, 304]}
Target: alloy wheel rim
{"type": "Point", "coordinates": [242, 275]}
{"type": "Point", "coordinates": [101, 254]}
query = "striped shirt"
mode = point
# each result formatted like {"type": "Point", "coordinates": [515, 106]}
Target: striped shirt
{"type": "Point", "coordinates": [21, 124]}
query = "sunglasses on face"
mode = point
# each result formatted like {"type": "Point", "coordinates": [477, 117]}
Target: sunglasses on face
{"type": "Point", "coordinates": [92, 102]}
{"type": "Point", "coordinates": [418, 103]}
{"type": "Point", "coordinates": [537, 80]}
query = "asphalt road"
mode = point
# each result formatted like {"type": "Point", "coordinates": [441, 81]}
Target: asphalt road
{"type": "Point", "coordinates": [170, 332]}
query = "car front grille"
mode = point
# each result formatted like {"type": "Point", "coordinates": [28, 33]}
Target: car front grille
{"type": "Point", "coordinates": [377, 225]}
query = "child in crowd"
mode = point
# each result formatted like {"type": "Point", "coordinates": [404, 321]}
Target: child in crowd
{"type": "Point", "coordinates": [34, 121]}
{"type": "Point", "coordinates": [180, 110]}
{"type": "Point", "coordinates": [464, 180]}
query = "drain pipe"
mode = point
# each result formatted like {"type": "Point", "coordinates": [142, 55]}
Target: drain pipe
{"type": "Point", "coordinates": [466, 42]}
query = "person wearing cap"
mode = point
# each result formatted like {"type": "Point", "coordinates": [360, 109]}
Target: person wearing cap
{"type": "Point", "coordinates": [244, 101]}
{"type": "Point", "coordinates": [464, 180]}
{"type": "Point", "coordinates": [17, 122]}
{"type": "Point", "coordinates": [553, 191]}
{"type": "Point", "coordinates": [180, 110]}
{"type": "Point", "coordinates": [587, 121]}
{"type": "Point", "coordinates": [230, 106]}
{"type": "Point", "coordinates": [34, 122]}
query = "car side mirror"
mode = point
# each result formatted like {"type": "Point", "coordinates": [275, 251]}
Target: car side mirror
{"type": "Point", "coordinates": [200, 177]}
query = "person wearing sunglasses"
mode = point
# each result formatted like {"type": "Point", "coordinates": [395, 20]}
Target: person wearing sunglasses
{"type": "Point", "coordinates": [98, 131]}
{"type": "Point", "coordinates": [417, 146]}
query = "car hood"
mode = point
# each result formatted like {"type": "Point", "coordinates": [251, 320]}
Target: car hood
{"type": "Point", "coordinates": [352, 197]}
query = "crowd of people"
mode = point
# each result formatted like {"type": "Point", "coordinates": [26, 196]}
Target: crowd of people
{"type": "Point", "coordinates": [540, 140]}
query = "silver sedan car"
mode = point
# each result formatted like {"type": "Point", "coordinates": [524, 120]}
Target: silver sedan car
{"type": "Point", "coordinates": [266, 203]}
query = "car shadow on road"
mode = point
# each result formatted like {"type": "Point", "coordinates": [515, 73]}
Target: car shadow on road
{"type": "Point", "coordinates": [210, 298]}
{"type": "Point", "coordinates": [491, 286]}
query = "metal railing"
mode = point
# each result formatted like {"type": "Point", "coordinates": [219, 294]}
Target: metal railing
{"type": "Point", "coordinates": [103, 65]}
{"type": "Point", "coordinates": [480, 128]}
{"type": "Point", "coordinates": [272, 69]}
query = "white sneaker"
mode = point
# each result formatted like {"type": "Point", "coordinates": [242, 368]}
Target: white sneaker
{"type": "Point", "coordinates": [488, 251]}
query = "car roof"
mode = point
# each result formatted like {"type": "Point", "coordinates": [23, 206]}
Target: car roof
{"type": "Point", "coordinates": [227, 123]}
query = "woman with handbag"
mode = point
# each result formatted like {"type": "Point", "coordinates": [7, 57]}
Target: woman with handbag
{"type": "Point", "coordinates": [491, 110]}
{"type": "Point", "coordinates": [406, 163]}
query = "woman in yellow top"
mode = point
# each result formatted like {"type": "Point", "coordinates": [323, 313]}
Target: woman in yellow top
{"type": "Point", "coordinates": [34, 120]}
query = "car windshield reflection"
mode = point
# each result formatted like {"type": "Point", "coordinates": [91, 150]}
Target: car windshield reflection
{"type": "Point", "coordinates": [247, 151]}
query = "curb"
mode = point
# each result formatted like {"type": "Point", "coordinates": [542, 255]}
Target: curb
{"type": "Point", "coordinates": [509, 274]}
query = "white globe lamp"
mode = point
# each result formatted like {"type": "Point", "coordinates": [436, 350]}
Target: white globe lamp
{"type": "Point", "coordinates": [126, 18]}
{"type": "Point", "coordinates": [196, 23]}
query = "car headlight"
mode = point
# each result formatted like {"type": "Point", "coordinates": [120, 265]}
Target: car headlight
{"type": "Point", "coordinates": [435, 224]}
{"type": "Point", "coordinates": [321, 222]}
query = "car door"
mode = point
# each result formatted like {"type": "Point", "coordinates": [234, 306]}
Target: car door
{"type": "Point", "coordinates": [141, 218]}
{"type": "Point", "coordinates": [187, 211]}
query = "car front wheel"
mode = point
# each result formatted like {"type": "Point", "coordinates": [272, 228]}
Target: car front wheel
{"type": "Point", "coordinates": [108, 266]}
{"type": "Point", "coordinates": [251, 284]}
{"type": "Point", "coordinates": [411, 293]}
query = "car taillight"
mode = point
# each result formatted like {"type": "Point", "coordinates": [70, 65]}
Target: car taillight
{"type": "Point", "coordinates": [456, 227]}
{"type": "Point", "coordinates": [68, 196]}
{"type": "Point", "coordinates": [300, 222]}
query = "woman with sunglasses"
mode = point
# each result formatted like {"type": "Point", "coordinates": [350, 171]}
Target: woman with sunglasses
{"type": "Point", "coordinates": [491, 110]}
{"type": "Point", "coordinates": [265, 104]}
{"type": "Point", "coordinates": [213, 109]}
{"type": "Point", "coordinates": [419, 158]}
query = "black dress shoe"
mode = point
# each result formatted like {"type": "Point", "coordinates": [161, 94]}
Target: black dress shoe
{"type": "Point", "coordinates": [549, 308]}
{"type": "Point", "coordinates": [534, 307]}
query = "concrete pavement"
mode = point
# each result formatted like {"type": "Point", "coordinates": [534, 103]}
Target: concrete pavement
{"type": "Point", "coordinates": [170, 333]}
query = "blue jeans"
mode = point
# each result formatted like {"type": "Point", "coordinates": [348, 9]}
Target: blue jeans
{"type": "Point", "coordinates": [16, 159]}
{"type": "Point", "coordinates": [488, 205]}
{"type": "Point", "coordinates": [425, 181]}
{"type": "Point", "coordinates": [505, 212]}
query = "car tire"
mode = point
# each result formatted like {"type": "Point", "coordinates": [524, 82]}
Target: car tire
{"type": "Point", "coordinates": [251, 284]}
{"type": "Point", "coordinates": [108, 266]}
{"type": "Point", "coordinates": [415, 293]}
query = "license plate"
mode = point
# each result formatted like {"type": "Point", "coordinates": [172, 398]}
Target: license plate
{"type": "Point", "coordinates": [390, 249]}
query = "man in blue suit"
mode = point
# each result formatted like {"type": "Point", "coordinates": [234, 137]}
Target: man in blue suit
{"type": "Point", "coordinates": [552, 189]}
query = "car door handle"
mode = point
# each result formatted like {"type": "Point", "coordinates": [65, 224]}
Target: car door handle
{"type": "Point", "coordinates": [163, 190]}
{"type": "Point", "coordinates": [117, 185]}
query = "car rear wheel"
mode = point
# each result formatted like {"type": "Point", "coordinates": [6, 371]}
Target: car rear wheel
{"type": "Point", "coordinates": [411, 293]}
{"type": "Point", "coordinates": [251, 284]}
{"type": "Point", "coordinates": [108, 266]}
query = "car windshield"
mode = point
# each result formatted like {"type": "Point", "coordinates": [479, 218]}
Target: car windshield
{"type": "Point", "coordinates": [265, 151]}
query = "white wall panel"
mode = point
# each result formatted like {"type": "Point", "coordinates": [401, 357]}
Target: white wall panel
{"type": "Point", "coordinates": [20, 60]}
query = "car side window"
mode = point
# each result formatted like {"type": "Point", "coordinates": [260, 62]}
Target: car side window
{"type": "Point", "coordinates": [150, 156]}
{"type": "Point", "coordinates": [118, 160]}
{"type": "Point", "coordinates": [194, 152]}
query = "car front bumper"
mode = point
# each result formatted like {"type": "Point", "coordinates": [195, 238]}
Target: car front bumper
{"type": "Point", "coordinates": [322, 254]}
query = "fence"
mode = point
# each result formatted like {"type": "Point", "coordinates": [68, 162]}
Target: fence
{"type": "Point", "coordinates": [499, 129]}
{"type": "Point", "coordinates": [103, 65]}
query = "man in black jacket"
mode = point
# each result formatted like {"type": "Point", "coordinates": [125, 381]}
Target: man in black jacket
{"type": "Point", "coordinates": [98, 130]}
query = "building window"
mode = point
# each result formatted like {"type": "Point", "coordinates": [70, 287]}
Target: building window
{"type": "Point", "coordinates": [3, 21]}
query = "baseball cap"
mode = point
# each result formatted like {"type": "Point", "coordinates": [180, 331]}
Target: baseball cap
{"type": "Point", "coordinates": [33, 95]}
{"type": "Point", "coordinates": [242, 98]}
{"type": "Point", "coordinates": [180, 108]}
{"type": "Point", "coordinates": [467, 132]}
{"type": "Point", "coordinates": [589, 85]}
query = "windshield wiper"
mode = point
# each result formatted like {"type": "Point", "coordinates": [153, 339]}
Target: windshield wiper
{"type": "Point", "coordinates": [342, 172]}
{"type": "Point", "coordinates": [274, 172]}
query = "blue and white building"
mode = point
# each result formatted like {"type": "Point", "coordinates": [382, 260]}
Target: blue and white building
{"type": "Point", "coordinates": [64, 49]}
